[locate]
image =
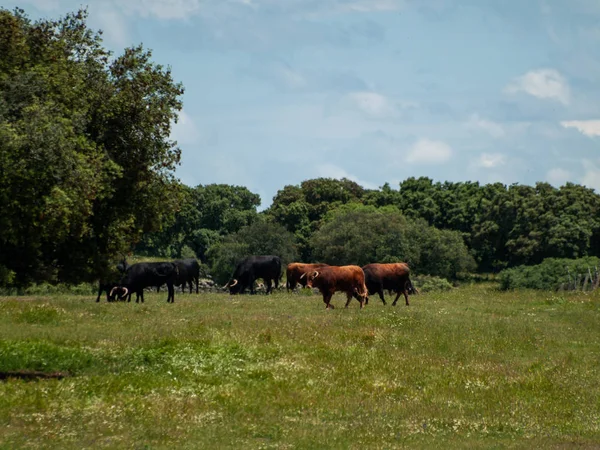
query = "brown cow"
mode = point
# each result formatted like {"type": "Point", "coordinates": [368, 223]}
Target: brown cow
{"type": "Point", "coordinates": [295, 273]}
{"type": "Point", "coordinates": [393, 277]}
{"type": "Point", "coordinates": [348, 279]}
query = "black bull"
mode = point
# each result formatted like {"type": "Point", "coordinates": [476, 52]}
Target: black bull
{"type": "Point", "coordinates": [141, 275]}
{"type": "Point", "coordinates": [267, 267]}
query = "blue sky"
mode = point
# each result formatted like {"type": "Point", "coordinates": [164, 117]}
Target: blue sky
{"type": "Point", "coordinates": [280, 91]}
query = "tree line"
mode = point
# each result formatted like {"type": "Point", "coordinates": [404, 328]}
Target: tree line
{"type": "Point", "coordinates": [87, 175]}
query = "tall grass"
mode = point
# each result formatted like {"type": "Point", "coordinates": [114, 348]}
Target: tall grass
{"type": "Point", "coordinates": [469, 368]}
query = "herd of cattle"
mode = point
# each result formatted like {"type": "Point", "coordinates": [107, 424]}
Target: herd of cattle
{"type": "Point", "coordinates": [354, 281]}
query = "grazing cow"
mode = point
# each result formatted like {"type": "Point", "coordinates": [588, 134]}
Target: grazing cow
{"type": "Point", "coordinates": [295, 271]}
{"type": "Point", "coordinates": [348, 279]}
{"type": "Point", "coordinates": [189, 271]}
{"type": "Point", "coordinates": [107, 284]}
{"type": "Point", "coordinates": [106, 287]}
{"type": "Point", "coordinates": [393, 277]}
{"type": "Point", "coordinates": [251, 268]}
{"type": "Point", "coordinates": [141, 275]}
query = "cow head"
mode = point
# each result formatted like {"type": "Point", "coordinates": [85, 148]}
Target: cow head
{"type": "Point", "coordinates": [118, 291]}
{"type": "Point", "coordinates": [233, 285]}
{"type": "Point", "coordinates": [310, 277]}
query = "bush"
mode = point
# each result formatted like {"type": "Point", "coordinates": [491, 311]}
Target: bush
{"type": "Point", "coordinates": [428, 283]}
{"type": "Point", "coordinates": [358, 234]}
{"type": "Point", "coordinates": [551, 274]}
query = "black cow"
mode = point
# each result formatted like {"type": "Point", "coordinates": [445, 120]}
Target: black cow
{"type": "Point", "coordinates": [189, 271]}
{"type": "Point", "coordinates": [141, 275]}
{"type": "Point", "coordinates": [267, 267]}
{"type": "Point", "coordinates": [108, 283]}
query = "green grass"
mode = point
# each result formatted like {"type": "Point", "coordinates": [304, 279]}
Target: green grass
{"type": "Point", "coordinates": [469, 368]}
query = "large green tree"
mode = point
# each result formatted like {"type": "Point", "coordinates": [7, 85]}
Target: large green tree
{"type": "Point", "coordinates": [86, 163]}
{"type": "Point", "coordinates": [207, 214]}
{"type": "Point", "coordinates": [358, 234]}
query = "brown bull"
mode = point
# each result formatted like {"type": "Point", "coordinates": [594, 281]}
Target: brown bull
{"type": "Point", "coordinates": [348, 279]}
{"type": "Point", "coordinates": [392, 277]}
{"type": "Point", "coordinates": [295, 273]}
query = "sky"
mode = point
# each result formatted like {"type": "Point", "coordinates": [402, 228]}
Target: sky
{"type": "Point", "coordinates": [281, 91]}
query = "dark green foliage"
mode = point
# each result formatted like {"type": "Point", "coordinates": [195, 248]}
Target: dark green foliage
{"type": "Point", "coordinates": [504, 225]}
{"type": "Point", "coordinates": [207, 214]}
{"type": "Point", "coordinates": [428, 283]}
{"type": "Point", "coordinates": [301, 208]}
{"type": "Point", "coordinates": [86, 164]}
{"type": "Point", "coordinates": [552, 273]}
{"type": "Point", "coordinates": [358, 234]}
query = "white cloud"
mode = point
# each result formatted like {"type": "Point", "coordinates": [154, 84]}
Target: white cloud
{"type": "Point", "coordinates": [543, 83]}
{"type": "Point", "coordinates": [489, 160]}
{"type": "Point", "coordinates": [375, 5]}
{"type": "Point", "coordinates": [492, 128]}
{"type": "Point", "coordinates": [43, 5]}
{"type": "Point", "coordinates": [163, 9]}
{"type": "Point", "coordinates": [185, 130]}
{"type": "Point", "coordinates": [588, 127]}
{"type": "Point", "coordinates": [591, 176]}
{"type": "Point", "coordinates": [112, 23]}
{"type": "Point", "coordinates": [371, 103]}
{"type": "Point", "coordinates": [426, 151]}
{"type": "Point", "coordinates": [332, 171]}
{"type": "Point", "coordinates": [291, 78]}
{"type": "Point", "coordinates": [557, 176]}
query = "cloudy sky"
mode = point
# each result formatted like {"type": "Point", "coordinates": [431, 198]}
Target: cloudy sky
{"type": "Point", "coordinates": [280, 91]}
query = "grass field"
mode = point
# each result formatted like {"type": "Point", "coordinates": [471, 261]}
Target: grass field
{"type": "Point", "coordinates": [471, 368]}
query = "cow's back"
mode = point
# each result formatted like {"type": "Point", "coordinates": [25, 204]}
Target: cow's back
{"type": "Point", "coordinates": [390, 275]}
{"type": "Point", "coordinates": [343, 278]}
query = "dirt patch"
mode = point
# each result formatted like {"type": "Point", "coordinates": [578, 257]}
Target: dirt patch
{"type": "Point", "coordinates": [31, 375]}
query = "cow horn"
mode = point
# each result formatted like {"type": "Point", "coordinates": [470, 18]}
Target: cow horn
{"type": "Point", "coordinates": [126, 292]}
{"type": "Point", "coordinates": [303, 275]}
{"type": "Point", "coordinates": [234, 283]}
{"type": "Point", "coordinates": [112, 291]}
{"type": "Point", "coordinates": [316, 274]}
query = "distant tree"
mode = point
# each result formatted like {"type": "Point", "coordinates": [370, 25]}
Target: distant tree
{"type": "Point", "coordinates": [358, 234]}
{"type": "Point", "coordinates": [301, 208]}
{"type": "Point", "coordinates": [206, 215]}
{"type": "Point", "coordinates": [86, 163]}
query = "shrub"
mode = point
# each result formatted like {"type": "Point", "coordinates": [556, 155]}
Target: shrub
{"type": "Point", "coordinates": [428, 283]}
{"type": "Point", "coordinates": [552, 273]}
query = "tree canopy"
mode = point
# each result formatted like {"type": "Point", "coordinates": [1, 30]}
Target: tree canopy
{"type": "Point", "coordinates": [86, 162]}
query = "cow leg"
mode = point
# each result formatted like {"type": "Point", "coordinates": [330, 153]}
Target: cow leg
{"type": "Point", "coordinates": [348, 299]}
{"type": "Point", "coordinates": [171, 296]}
{"type": "Point", "coordinates": [327, 299]}
{"type": "Point", "coordinates": [191, 282]}
{"type": "Point", "coordinates": [197, 283]}
{"type": "Point", "coordinates": [398, 296]}
{"type": "Point", "coordinates": [380, 292]}
{"type": "Point", "coordinates": [269, 286]}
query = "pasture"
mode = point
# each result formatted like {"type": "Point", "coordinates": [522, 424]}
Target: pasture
{"type": "Point", "coordinates": [470, 368]}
